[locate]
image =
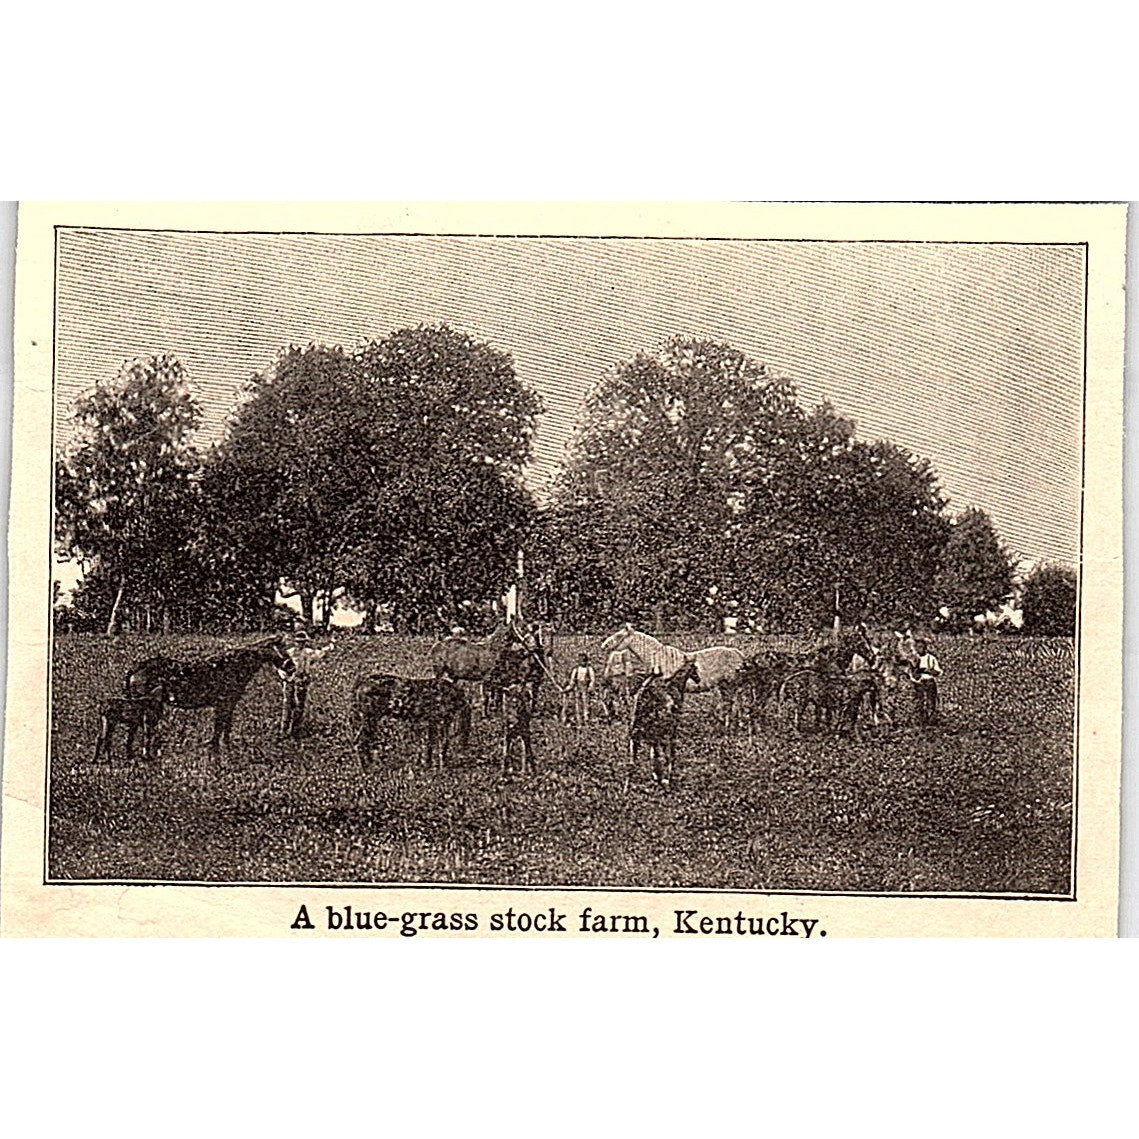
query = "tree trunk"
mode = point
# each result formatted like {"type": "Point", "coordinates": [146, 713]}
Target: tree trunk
{"type": "Point", "coordinates": [370, 617]}
{"type": "Point", "coordinates": [308, 606]}
{"type": "Point", "coordinates": [113, 620]}
{"type": "Point", "coordinates": [326, 615]}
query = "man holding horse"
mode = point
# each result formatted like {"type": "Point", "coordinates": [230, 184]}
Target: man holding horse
{"type": "Point", "coordinates": [295, 684]}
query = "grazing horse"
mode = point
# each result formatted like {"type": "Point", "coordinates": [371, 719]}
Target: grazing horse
{"type": "Point", "coordinates": [213, 682]}
{"type": "Point", "coordinates": [465, 659]}
{"type": "Point", "coordinates": [655, 721]}
{"type": "Point", "coordinates": [133, 713]}
{"type": "Point", "coordinates": [438, 704]}
{"type": "Point", "coordinates": [715, 667]}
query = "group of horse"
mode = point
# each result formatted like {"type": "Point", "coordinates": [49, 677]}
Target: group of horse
{"type": "Point", "coordinates": [644, 682]}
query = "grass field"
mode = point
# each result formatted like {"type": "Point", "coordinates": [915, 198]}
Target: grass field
{"type": "Point", "coordinates": [979, 804]}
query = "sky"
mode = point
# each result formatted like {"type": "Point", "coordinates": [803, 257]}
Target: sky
{"type": "Point", "coordinates": [968, 355]}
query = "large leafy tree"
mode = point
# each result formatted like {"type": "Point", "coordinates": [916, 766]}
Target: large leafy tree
{"type": "Point", "coordinates": [457, 431]}
{"type": "Point", "coordinates": [697, 478]}
{"type": "Point", "coordinates": [389, 474]}
{"type": "Point", "coordinates": [1049, 601]}
{"type": "Point", "coordinates": [660, 473]}
{"type": "Point", "coordinates": [282, 486]}
{"type": "Point", "coordinates": [977, 571]}
{"type": "Point", "coordinates": [126, 495]}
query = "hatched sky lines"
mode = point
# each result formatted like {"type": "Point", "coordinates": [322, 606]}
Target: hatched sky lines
{"type": "Point", "coordinates": [969, 355]}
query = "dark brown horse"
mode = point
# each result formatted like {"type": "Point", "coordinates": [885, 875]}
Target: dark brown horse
{"type": "Point", "coordinates": [655, 721]}
{"type": "Point", "coordinates": [437, 704]}
{"type": "Point", "coordinates": [464, 659]}
{"type": "Point", "coordinates": [131, 714]}
{"type": "Point", "coordinates": [217, 682]}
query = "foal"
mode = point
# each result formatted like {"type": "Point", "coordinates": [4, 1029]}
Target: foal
{"type": "Point", "coordinates": [655, 721]}
{"type": "Point", "coordinates": [133, 712]}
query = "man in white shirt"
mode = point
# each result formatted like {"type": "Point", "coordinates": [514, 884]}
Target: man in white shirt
{"type": "Point", "coordinates": [926, 673]}
{"type": "Point", "coordinates": [582, 682]}
{"type": "Point", "coordinates": [294, 685]}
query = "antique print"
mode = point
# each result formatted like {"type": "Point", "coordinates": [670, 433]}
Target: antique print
{"type": "Point", "coordinates": [738, 571]}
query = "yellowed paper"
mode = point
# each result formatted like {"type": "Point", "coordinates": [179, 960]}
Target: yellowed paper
{"type": "Point", "coordinates": [817, 800]}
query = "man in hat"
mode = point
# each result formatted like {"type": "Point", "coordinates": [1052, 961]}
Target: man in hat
{"type": "Point", "coordinates": [294, 685]}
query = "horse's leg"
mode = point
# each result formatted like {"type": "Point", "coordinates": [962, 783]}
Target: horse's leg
{"type": "Point", "coordinates": [286, 708]}
{"type": "Point", "coordinates": [362, 738]}
{"type": "Point", "coordinates": [630, 765]}
{"type": "Point", "coordinates": [103, 742]}
{"type": "Point", "coordinates": [223, 718]}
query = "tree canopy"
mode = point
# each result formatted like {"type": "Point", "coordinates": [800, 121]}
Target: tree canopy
{"type": "Point", "coordinates": [126, 495]}
{"type": "Point", "coordinates": [389, 474]}
{"type": "Point", "coordinates": [1049, 601]}
{"type": "Point", "coordinates": [977, 571]}
{"type": "Point", "coordinates": [697, 482]}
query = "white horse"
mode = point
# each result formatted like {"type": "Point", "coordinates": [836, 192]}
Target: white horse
{"type": "Point", "coordinates": [716, 668]}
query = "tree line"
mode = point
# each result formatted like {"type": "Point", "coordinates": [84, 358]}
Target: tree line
{"type": "Point", "coordinates": [390, 477]}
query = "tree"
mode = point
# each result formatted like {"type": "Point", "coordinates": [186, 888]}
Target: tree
{"type": "Point", "coordinates": [977, 571]}
{"type": "Point", "coordinates": [696, 481]}
{"type": "Point", "coordinates": [1049, 602]}
{"type": "Point", "coordinates": [281, 488]}
{"type": "Point", "coordinates": [126, 490]}
{"type": "Point", "coordinates": [390, 474]}
{"type": "Point", "coordinates": [660, 470]}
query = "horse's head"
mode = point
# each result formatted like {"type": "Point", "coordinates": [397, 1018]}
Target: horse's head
{"type": "Point", "coordinates": [618, 640]}
{"type": "Point", "coordinates": [273, 652]}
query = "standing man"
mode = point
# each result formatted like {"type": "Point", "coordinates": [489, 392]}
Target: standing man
{"type": "Point", "coordinates": [582, 681]}
{"type": "Point", "coordinates": [926, 672]}
{"type": "Point", "coordinates": [294, 685]}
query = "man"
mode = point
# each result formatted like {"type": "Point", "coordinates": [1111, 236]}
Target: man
{"type": "Point", "coordinates": [582, 682]}
{"type": "Point", "coordinates": [926, 673]}
{"type": "Point", "coordinates": [294, 685]}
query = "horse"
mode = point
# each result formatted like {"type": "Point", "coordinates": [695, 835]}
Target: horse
{"type": "Point", "coordinates": [464, 659]}
{"type": "Point", "coordinates": [622, 675]}
{"type": "Point", "coordinates": [836, 698]}
{"type": "Point", "coordinates": [655, 720]}
{"type": "Point", "coordinates": [714, 666]}
{"type": "Point", "coordinates": [217, 682]}
{"type": "Point", "coordinates": [438, 704]}
{"type": "Point", "coordinates": [133, 713]}
{"type": "Point", "coordinates": [751, 688]}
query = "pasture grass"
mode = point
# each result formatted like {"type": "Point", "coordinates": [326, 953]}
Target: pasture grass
{"type": "Point", "coordinates": [980, 803]}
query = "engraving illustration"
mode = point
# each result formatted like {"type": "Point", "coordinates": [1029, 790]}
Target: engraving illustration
{"type": "Point", "coordinates": [646, 563]}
